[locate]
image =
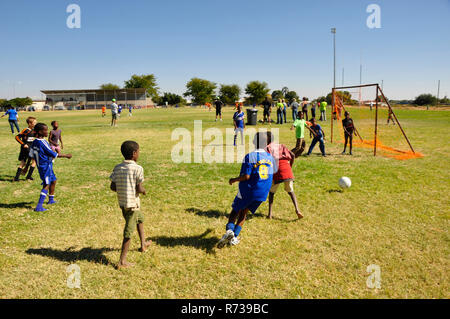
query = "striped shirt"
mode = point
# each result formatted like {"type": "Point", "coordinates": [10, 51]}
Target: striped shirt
{"type": "Point", "coordinates": [127, 175]}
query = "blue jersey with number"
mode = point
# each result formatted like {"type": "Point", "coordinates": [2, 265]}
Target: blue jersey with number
{"type": "Point", "coordinates": [239, 119]}
{"type": "Point", "coordinates": [260, 166]}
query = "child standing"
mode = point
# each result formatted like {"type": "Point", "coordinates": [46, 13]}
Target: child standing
{"type": "Point", "coordinates": [25, 138]}
{"type": "Point", "coordinates": [255, 180]}
{"type": "Point", "coordinates": [349, 130]}
{"type": "Point", "coordinates": [103, 111]}
{"type": "Point", "coordinates": [319, 136]}
{"type": "Point", "coordinates": [323, 111]}
{"type": "Point", "coordinates": [55, 137]}
{"type": "Point", "coordinates": [44, 156]}
{"type": "Point", "coordinates": [130, 110]}
{"type": "Point", "coordinates": [238, 120]}
{"type": "Point", "coordinates": [284, 160]}
{"type": "Point", "coordinates": [126, 179]}
{"type": "Point", "coordinates": [13, 119]}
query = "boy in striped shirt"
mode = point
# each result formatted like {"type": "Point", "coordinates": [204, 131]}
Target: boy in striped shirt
{"type": "Point", "coordinates": [126, 179]}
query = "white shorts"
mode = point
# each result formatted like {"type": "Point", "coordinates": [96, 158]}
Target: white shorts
{"type": "Point", "coordinates": [288, 187]}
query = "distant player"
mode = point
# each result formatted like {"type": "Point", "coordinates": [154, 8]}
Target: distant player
{"type": "Point", "coordinates": [305, 108]}
{"type": "Point", "coordinates": [299, 125]}
{"type": "Point", "coordinates": [103, 111]}
{"type": "Point", "coordinates": [267, 106]}
{"type": "Point", "coordinates": [319, 136]}
{"type": "Point", "coordinates": [55, 138]}
{"type": "Point", "coordinates": [218, 104]}
{"type": "Point", "coordinates": [349, 130]}
{"type": "Point", "coordinates": [25, 138]}
{"type": "Point", "coordinates": [238, 120]}
{"type": "Point", "coordinates": [13, 119]}
{"type": "Point", "coordinates": [44, 156]}
{"type": "Point", "coordinates": [130, 110]}
{"type": "Point", "coordinates": [284, 160]}
{"type": "Point", "coordinates": [255, 181]}
{"type": "Point", "coordinates": [114, 112]}
{"type": "Point", "coordinates": [119, 110]}
{"type": "Point", "coordinates": [390, 117]}
{"type": "Point", "coordinates": [126, 179]}
{"type": "Point", "coordinates": [323, 111]}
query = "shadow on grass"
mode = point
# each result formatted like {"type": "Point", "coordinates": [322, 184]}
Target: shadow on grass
{"type": "Point", "coordinates": [335, 191]}
{"type": "Point", "coordinates": [6, 178]}
{"type": "Point", "coordinates": [90, 254]}
{"type": "Point", "coordinates": [200, 241]}
{"type": "Point", "coordinates": [212, 213]}
{"type": "Point", "coordinates": [17, 205]}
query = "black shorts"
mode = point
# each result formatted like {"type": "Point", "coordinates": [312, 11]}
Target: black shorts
{"type": "Point", "coordinates": [23, 155]}
{"type": "Point", "coordinates": [266, 113]}
{"type": "Point", "coordinates": [218, 111]}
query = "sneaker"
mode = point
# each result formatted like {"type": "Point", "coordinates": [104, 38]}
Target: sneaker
{"type": "Point", "coordinates": [234, 241]}
{"type": "Point", "coordinates": [40, 209]}
{"type": "Point", "coordinates": [229, 235]}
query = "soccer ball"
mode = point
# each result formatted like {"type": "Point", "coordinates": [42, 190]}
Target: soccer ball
{"type": "Point", "coordinates": [345, 182]}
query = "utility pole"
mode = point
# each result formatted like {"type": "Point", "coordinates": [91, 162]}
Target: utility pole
{"type": "Point", "coordinates": [333, 31]}
{"type": "Point", "coordinates": [439, 86]}
{"type": "Point", "coordinates": [342, 76]}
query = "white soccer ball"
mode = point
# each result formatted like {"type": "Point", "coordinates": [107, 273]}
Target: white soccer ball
{"type": "Point", "coordinates": [345, 182]}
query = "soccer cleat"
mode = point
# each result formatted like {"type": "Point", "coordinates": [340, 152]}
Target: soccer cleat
{"type": "Point", "coordinates": [51, 201]}
{"type": "Point", "coordinates": [40, 209]}
{"type": "Point", "coordinates": [234, 241]}
{"type": "Point", "coordinates": [229, 235]}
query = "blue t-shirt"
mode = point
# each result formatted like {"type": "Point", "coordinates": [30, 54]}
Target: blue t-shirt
{"type": "Point", "coordinates": [239, 119]}
{"type": "Point", "coordinates": [318, 130]}
{"type": "Point", "coordinates": [260, 166]}
{"type": "Point", "coordinates": [12, 113]}
{"type": "Point", "coordinates": [42, 154]}
{"type": "Point", "coordinates": [120, 108]}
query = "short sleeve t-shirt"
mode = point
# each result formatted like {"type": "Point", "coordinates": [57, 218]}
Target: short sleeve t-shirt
{"type": "Point", "coordinates": [318, 130]}
{"type": "Point", "coordinates": [323, 106]}
{"type": "Point", "coordinates": [294, 105]}
{"type": "Point", "coordinates": [127, 175]}
{"type": "Point", "coordinates": [218, 104]}
{"type": "Point", "coordinates": [300, 128]}
{"type": "Point", "coordinates": [348, 124]}
{"type": "Point", "coordinates": [239, 119]}
{"type": "Point", "coordinates": [12, 114]}
{"type": "Point", "coordinates": [259, 165]}
{"type": "Point", "coordinates": [266, 105]}
{"type": "Point", "coordinates": [114, 108]}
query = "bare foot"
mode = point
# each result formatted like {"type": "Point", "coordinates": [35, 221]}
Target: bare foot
{"type": "Point", "coordinates": [299, 215]}
{"type": "Point", "coordinates": [269, 217]}
{"type": "Point", "coordinates": [124, 265]}
{"type": "Point", "coordinates": [145, 246]}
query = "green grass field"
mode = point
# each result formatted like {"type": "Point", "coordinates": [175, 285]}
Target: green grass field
{"type": "Point", "coordinates": [395, 215]}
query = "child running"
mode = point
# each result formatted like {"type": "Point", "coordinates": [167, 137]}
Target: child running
{"type": "Point", "coordinates": [319, 136]}
{"type": "Point", "coordinates": [55, 137]}
{"type": "Point", "coordinates": [284, 160]}
{"type": "Point", "coordinates": [25, 138]}
{"type": "Point", "coordinates": [44, 156]}
{"type": "Point", "coordinates": [238, 120]}
{"type": "Point", "coordinates": [255, 180]}
{"type": "Point", "coordinates": [126, 179]}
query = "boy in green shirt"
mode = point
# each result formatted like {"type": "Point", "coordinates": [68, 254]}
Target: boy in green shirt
{"type": "Point", "coordinates": [299, 125]}
{"type": "Point", "coordinates": [323, 111]}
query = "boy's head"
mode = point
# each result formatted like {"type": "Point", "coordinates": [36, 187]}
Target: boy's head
{"type": "Point", "coordinates": [239, 108]}
{"type": "Point", "coordinates": [313, 121]}
{"type": "Point", "coordinates": [130, 150]}
{"type": "Point", "coordinates": [55, 125]}
{"type": "Point", "coordinates": [41, 129]}
{"type": "Point", "coordinates": [346, 114]}
{"type": "Point", "coordinates": [300, 115]}
{"type": "Point", "coordinates": [260, 140]}
{"type": "Point", "coordinates": [31, 121]}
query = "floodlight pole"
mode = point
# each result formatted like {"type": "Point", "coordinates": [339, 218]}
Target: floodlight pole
{"type": "Point", "coordinates": [333, 92]}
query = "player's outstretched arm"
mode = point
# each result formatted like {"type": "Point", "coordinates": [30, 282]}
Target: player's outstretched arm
{"type": "Point", "coordinates": [69, 156]}
{"type": "Point", "coordinates": [241, 178]}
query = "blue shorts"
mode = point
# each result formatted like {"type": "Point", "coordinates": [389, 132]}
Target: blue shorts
{"type": "Point", "coordinates": [47, 175]}
{"type": "Point", "coordinates": [243, 203]}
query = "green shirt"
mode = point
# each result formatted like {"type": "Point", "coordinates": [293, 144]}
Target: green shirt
{"type": "Point", "coordinates": [280, 105]}
{"type": "Point", "coordinates": [300, 128]}
{"type": "Point", "coordinates": [323, 106]}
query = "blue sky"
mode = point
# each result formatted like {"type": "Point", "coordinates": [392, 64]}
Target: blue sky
{"type": "Point", "coordinates": [284, 42]}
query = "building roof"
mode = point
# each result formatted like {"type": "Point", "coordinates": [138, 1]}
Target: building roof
{"type": "Point", "coordinates": [91, 91]}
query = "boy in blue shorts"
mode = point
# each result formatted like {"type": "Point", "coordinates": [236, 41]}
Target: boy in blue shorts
{"type": "Point", "coordinates": [43, 155]}
{"type": "Point", "coordinates": [255, 181]}
{"type": "Point", "coordinates": [238, 120]}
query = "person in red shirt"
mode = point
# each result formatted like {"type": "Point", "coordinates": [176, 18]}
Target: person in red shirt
{"type": "Point", "coordinates": [284, 160]}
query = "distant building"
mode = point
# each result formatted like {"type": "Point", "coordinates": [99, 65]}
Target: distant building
{"type": "Point", "coordinates": [37, 105]}
{"type": "Point", "coordinates": [95, 99]}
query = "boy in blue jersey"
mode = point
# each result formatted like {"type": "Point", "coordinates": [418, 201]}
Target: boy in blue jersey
{"type": "Point", "coordinates": [255, 181]}
{"type": "Point", "coordinates": [319, 136]}
{"type": "Point", "coordinates": [43, 155]}
{"type": "Point", "coordinates": [238, 119]}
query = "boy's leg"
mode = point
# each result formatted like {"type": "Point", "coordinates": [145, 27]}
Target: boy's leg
{"type": "Point", "coordinates": [130, 221]}
{"type": "Point", "coordinates": [17, 126]}
{"type": "Point", "coordinates": [289, 188]}
{"type": "Point", "coordinates": [31, 168]}
{"type": "Point", "coordinates": [351, 142]}
{"type": "Point", "coordinates": [322, 146]}
{"type": "Point", "coordinates": [345, 143]}
{"type": "Point", "coordinates": [311, 147]}
{"type": "Point", "coordinates": [271, 196]}
{"type": "Point", "coordinates": [43, 195]}
{"type": "Point", "coordinates": [51, 196]}
{"type": "Point", "coordinates": [123, 254]}
{"type": "Point", "coordinates": [144, 243]}
{"type": "Point", "coordinates": [242, 136]}
{"type": "Point", "coordinates": [240, 221]}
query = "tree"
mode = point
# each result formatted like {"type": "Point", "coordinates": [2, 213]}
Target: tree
{"type": "Point", "coordinates": [285, 90]}
{"type": "Point", "coordinates": [277, 94]}
{"type": "Point", "coordinates": [109, 86]}
{"type": "Point", "coordinates": [444, 100]}
{"type": "Point", "coordinates": [171, 99]}
{"type": "Point", "coordinates": [200, 90]}
{"type": "Point", "coordinates": [145, 81]}
{"type": "Point", "coordinates": [256, 91]}
{"type": "Point", "coordinates": [20, 102]}
{"type": "Point", "coordinates": [229, 94]}
{"type": "Point", "coordinates": [291, 95]}
{"type": "Point", "coordinates": [425, 99]}
{"type": "Point", "coordinates": [344, 96]}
